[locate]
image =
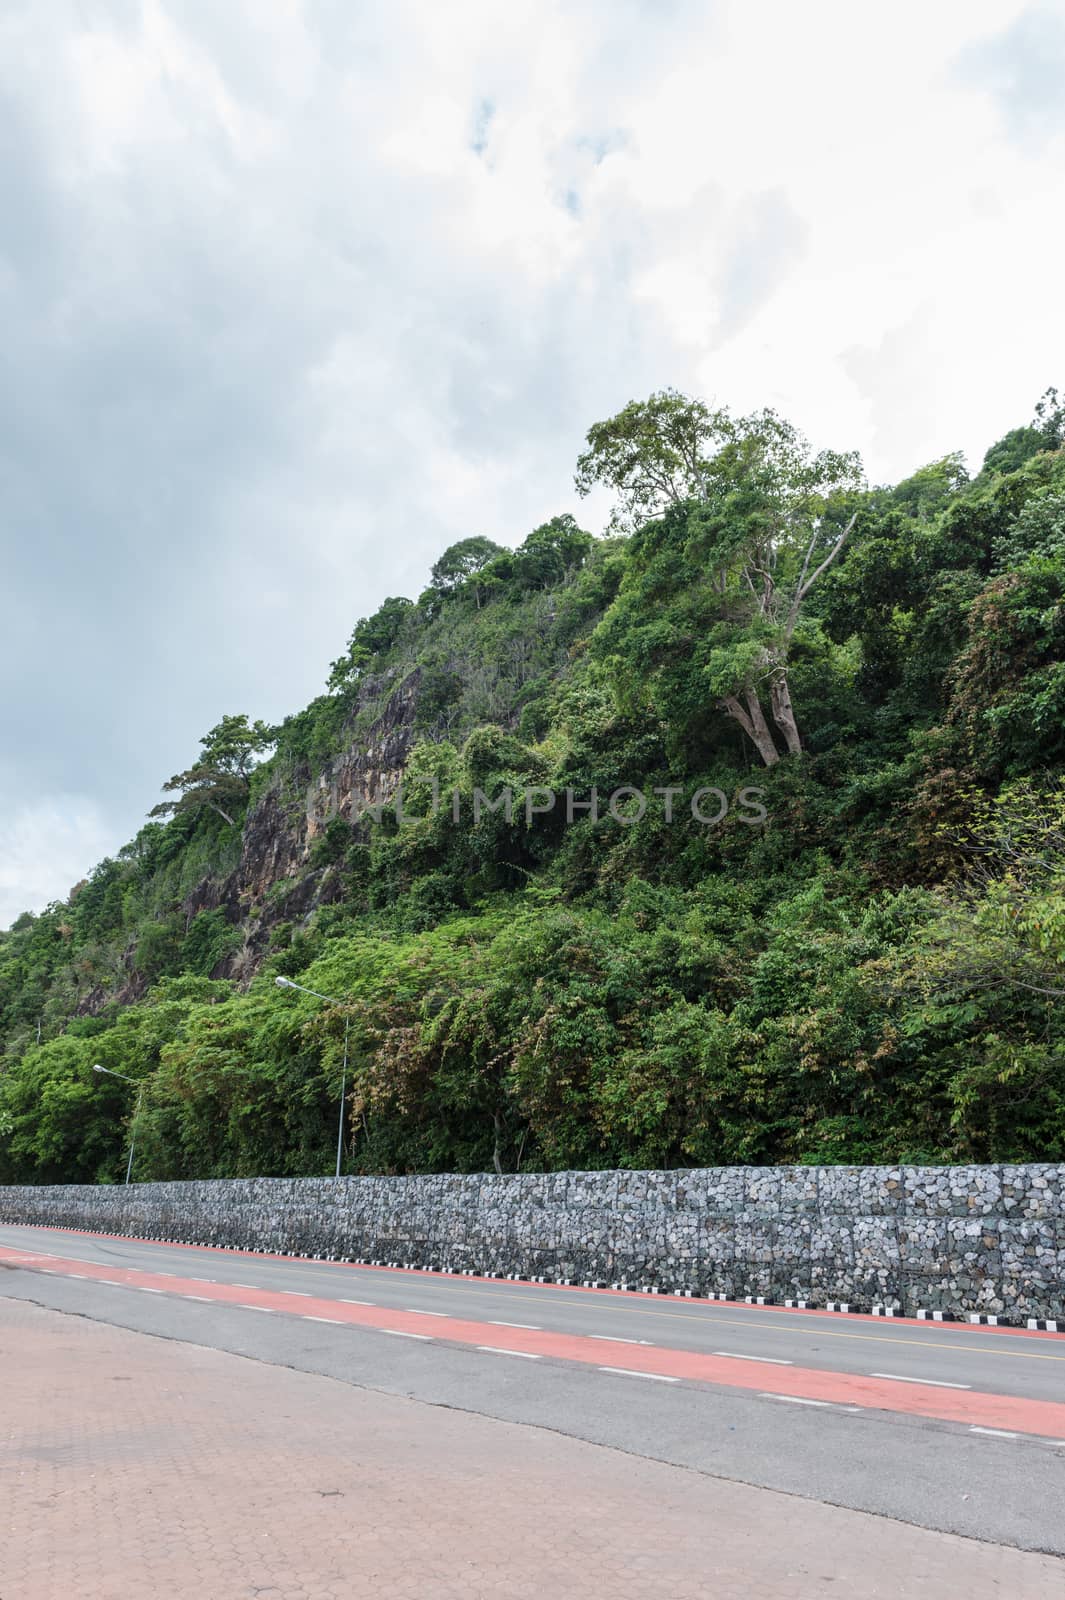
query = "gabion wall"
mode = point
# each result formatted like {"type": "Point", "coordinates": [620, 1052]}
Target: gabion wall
{"type": "Point", "coordinates": [951, 1239]}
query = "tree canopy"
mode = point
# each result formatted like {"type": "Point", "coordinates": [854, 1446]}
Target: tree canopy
{"type": "Point", "coordinates": [219, 781]}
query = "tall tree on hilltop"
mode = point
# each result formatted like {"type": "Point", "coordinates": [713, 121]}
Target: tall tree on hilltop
{"type": "Point", "coordinates": [736, 521]}
{"type": "Point", "coordinates": [463, 561]}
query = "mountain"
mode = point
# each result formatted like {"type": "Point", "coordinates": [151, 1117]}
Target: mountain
{"type": "Point", "coordinates": [817, 913]}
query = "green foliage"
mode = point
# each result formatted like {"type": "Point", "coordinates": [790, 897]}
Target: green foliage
{"type": "Point", "coordinates": [714, 601]}
{"type": "Point", "coordinates": [458, 567]}
{"type": "Point", "coordinates": [1045, 432]}
{"type": "Point", "coordinates": [875, 972]}
{"type": "Point", "coordinates": [220, 780]}
{"type": "Point", "coordinates": [372, 638]}
{"type": "Point", "coordinates": [654, 454]}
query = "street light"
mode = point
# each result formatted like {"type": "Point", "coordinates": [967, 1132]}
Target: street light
{"type": "Point", "coordinates": [133, 1130]}
{"type": "Point", "coordinates": [287, 983]}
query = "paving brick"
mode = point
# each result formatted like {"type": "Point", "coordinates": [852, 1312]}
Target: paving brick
{"type": "Point", "coordinates": [135, 1468]}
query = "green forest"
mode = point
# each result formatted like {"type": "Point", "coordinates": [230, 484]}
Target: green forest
{"type": "Point", "coordinates": [854, 951]}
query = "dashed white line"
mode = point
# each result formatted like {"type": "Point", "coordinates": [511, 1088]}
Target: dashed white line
{"type": "Point", "coordinates": [113, 1282]}
{"type": "Point", "coordinates": [204, 1297]}
{"type": "Point", "coordinates": [530, 1327]}
{"type": "Point", "coordinates": [244, 1306]}
{"type": "Point", "coordinates": [143, 1287]}
{"type": "Point", "coordinates": [497, 1350]}
{"type": "Point", "coordinates": [801, 1400]}
{"type": "Point", "coordinates": [933, 1383]}
{"type": "Point", "coordinates": [336, 1321]}
{"type": "Point", "coordinates": [301, 1294]}
{"type": "Point", "coordinates": [616, 1338]}
{"type": "Point", "coordinates": [401, 1333]}
{"type": "Point", "coordinates": [358, 1302]}
{"type": "Point", "coordinates": [630, 1372]}
{"type": "Point", "coordinates": [772, 1361]}
{"type": "Point", "coordinates": [993, 1433]}
{"type": "Point", "coordinates": [411, 1311]}
{"type": "Point", "coordinates": [795, 1399]}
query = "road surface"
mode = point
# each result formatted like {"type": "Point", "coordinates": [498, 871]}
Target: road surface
{"type": "Point", "coordinates": [951, 1427]}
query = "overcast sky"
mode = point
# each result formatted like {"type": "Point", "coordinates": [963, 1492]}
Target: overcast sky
{"type": "Point", "coordinates": [294, 293]}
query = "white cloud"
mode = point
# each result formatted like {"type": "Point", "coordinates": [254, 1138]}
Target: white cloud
{"type": "Point", "coordinates": [298, 294]}
{"type": "Point", "coordinates": [46, 849]}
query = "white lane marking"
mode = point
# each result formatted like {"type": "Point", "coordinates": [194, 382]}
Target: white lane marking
{"type": "Point", "coordinates": [304, 1294]}
{"type": "Point", "coordinates": [334, 1320]}
{"type": "Point", "coordinates": [362, 1303]}
{"type": "Point", "coordinates": [616, 1338]}
{"type": "Point", "coordinates": [993, 1433]}
{"type": "Point", "coordinates": [204, 1297]}
{"type": "Point", "coordinates": [144, 1289]}
{"type": "Point", "coordinates": [497, 1350]}
{"type": "Point", "coordinates": [82, 1275]}
{"type": "Point", "coordinates": [412, 1311]}
{"type": "Point", "coordinates": [243, 1285]}
{"type": "Point", "coordinates": [772, 1361]}
{"type": "Point", "coordinates": [245, 1307]}
{"type": "Point", "coordinates": [530, 1327]}
{"type": "Point", "coordinates": [201, 1280]}
{"type": "Point", "coordinates": [933, 1383]}
{"type": "Point", "coordinates": [630, 1372]}
{"type": "Point", "coordinates": [795, 1399]}
{"type": "Point", "coordinates": [401, 1333]}
{"type": "Point", "coordinates": [113, 1282]}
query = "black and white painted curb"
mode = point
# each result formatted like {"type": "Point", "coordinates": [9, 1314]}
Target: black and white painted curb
{"type": "Point", "coordinates": [720, 1296]}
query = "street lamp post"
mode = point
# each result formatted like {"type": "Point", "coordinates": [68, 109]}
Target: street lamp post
{"type": "Point", "coordinates": [136, 1113]}
{"type": "Point", "coordinates": [287, 983]}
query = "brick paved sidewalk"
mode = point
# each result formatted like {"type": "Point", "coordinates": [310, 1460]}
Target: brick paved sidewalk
{"type": "Point", "coordinates": [134, 1468]}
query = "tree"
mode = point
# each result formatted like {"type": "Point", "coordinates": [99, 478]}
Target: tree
{"type": "Point", "coordinates": [1046, 431]}
{"type": "Point", "coordinates": [744, 522]}
{"type": "Point", "coordinates": [219, 780]}
{"type": "Point", "coordinates": [371, 637]}
{"type": "Point", "coordinates": [654, 454]}
{"type": "Point", "coordinates": [461, 562]}
{"type": "Point", "coordinates": [550, 551]}
{"type": "Point", "coordinates": [931, 487]}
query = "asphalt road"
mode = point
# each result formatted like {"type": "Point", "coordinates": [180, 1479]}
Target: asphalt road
{"type": "Point", "coordinates": [698, 1384]}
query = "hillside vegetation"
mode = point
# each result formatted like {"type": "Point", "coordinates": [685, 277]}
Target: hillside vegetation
{"type": "Point", "coordinates": [854, 951]}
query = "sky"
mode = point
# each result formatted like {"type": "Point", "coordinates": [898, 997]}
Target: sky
{"type": "Point", "coordinates": [294, 295]}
